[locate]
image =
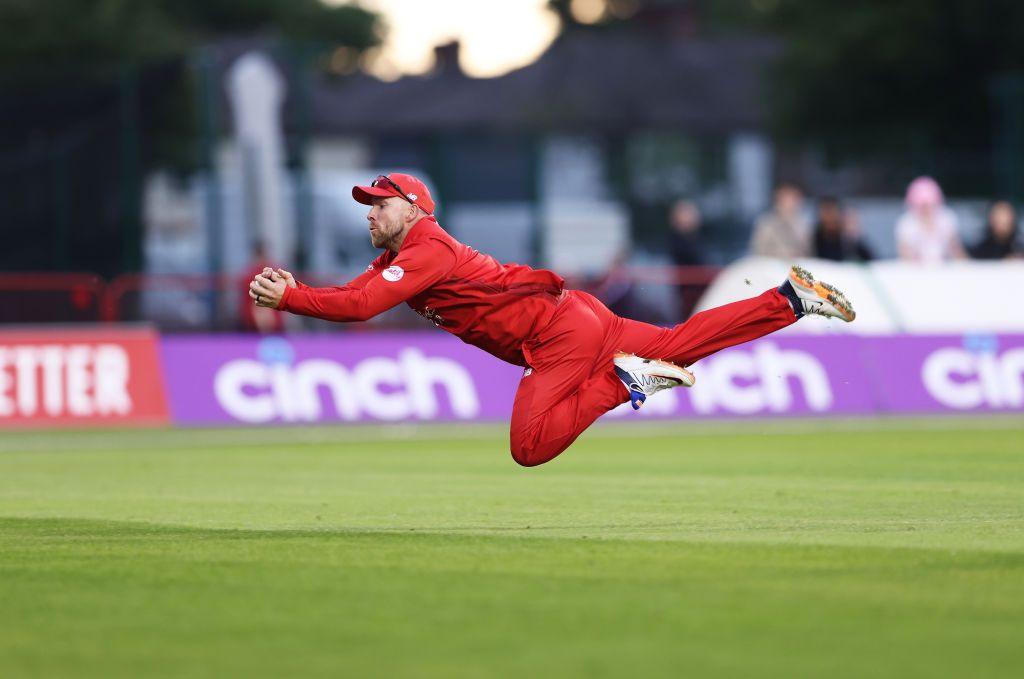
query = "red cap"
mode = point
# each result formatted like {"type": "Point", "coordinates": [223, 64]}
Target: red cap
{"type": "Point", "coordinates": [415, 190]}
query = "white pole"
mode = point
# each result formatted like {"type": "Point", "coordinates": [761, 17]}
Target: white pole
{"type": "Point", "coordinates": [257, 93]}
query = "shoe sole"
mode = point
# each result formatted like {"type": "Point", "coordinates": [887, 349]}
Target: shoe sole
{"type": "Point", "coordinates": [803, 278]}
{"type": "Point", "coordinates": [688, 379]}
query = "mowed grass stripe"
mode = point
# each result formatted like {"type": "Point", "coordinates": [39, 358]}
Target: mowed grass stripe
{"type": "Point", "coordinates": [951, 490]}
{"type": "Point", "coordinates": [631, 428]}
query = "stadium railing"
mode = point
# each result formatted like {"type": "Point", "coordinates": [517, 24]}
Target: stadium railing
{"type": "Point", "coordinates": [31, 297]}
{"type": "Point", "coordinates": [198, 302]}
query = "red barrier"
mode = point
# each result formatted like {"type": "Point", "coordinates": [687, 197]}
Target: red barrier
{"type": "Point", "coordinates": [697, 276]}
{"type": "Point", "coordinates": [114, 295]}
{"type": "Point", "coordinates": [94, 376]}
{"type": "Point", "coordinates": [46, 297]}
{"type": "Point", "coordinates": [188, 302]}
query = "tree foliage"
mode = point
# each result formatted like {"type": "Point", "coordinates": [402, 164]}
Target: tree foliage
{"type": "Point", "coordinates": [54, 35]}
{"type": "Point", "coordinates": [863, 75]}
{"type": "Point", "coordinates": [876, 70]}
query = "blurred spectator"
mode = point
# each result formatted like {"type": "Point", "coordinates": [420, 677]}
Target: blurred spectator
{"type": "Point", "coordinates": [1000, 239]}
{"type": "Point", "coordinates": [687, 249]}
{"type": "Point", "coordinates": [927, 232]}
{"type": "Point", "coordinates": [837, 234]}
{"type": "Point", "coordinates": [783, 232]}
{"type": "Point", "coordinates": [252, 318]}
{"type": "Point", "coordinates": [684, 236]}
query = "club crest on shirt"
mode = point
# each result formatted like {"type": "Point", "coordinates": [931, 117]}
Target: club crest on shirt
{"type": "Point", "coordinates": [393, 273]}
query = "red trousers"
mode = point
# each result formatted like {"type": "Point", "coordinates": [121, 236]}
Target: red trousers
{"type": "Point", "coordinates": [571, 381]}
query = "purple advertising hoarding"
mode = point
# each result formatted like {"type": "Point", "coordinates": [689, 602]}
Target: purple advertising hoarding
{"type": "Point", "coordinates": [425, 376]}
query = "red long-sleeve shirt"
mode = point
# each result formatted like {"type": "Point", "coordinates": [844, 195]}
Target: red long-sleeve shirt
{"type": "Point", "coordinates": [494, 306]}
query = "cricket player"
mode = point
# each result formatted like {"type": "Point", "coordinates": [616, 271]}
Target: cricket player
{"type": "Point", "coordinates": [579, 359]}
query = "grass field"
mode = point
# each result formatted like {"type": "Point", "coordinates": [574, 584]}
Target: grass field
{"type": "Point", "coordinates": [815, 549]}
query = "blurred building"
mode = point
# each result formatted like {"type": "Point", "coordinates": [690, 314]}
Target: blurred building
{"type": "Point", "coordinates": [618, 122]}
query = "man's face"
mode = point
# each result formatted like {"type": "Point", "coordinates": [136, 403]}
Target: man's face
{"type": "Point", "coordinates": [1001, 220]}
{"type": "Point", "coordinates": [685, 217]}
{"type": "Point", "coordinates": [387, 220]}
{"type": "Point", "coordinates": [788, 201]}
{"type": "Point", "coordinates": [830, 216]}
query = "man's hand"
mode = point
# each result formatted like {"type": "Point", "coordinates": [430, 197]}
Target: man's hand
{"type": "Point", "coordinates": [268, 289]}
{"type": "Point", "coordinates": [287, 276]}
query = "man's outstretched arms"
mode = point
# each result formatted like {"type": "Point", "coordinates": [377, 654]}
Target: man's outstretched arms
{"type": "Point", "coordinates": [417, 267]}
{"type": "Point", "coordinates": [265, 290]}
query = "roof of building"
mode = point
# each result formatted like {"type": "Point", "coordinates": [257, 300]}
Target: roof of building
{"type": "Point", "coordinates": [587, 80]}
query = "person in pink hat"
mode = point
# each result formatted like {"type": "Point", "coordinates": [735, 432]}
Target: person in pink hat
{"type": "Point", "coordinates": [927, 232]}
{"type": "Point", "coordinates": [580, 360]}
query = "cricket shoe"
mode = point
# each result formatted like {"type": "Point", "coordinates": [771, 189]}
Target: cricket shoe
{"type": "Point", "coordinates": [809, 296]}
{"type": "Point", "coordinates": [646, 376]}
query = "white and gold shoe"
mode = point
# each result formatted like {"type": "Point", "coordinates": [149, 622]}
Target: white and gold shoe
{"type": "Point", "coordinates": [815, 297]}
{"type": "Point", "coordinates": [646, 376]}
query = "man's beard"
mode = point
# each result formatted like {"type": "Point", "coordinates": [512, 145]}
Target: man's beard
{"type": "Point", "coordinates": [382, 236]}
